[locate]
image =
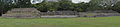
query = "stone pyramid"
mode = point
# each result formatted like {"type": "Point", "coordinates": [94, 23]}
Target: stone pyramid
{"type": "Point", "coordinates": [22, 13]}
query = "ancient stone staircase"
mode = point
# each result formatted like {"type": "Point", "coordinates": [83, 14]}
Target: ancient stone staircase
{"type": "Point", "coordinates": [22, 13]}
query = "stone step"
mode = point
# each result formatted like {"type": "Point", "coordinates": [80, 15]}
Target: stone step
{"type": "Point", "coordinates": [22, 13]}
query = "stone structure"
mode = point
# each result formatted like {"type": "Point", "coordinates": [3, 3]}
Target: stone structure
{"type": "Point", "coordinates": [34, 13]}
{"type": "Point", "coordinates": [99, 13]}
{"type": "Point", "coordinates": [102, 11]}
{"type": "Point", "coordinates": [59, 14]}
{"type": "Point", "coordinates": [22, 13]}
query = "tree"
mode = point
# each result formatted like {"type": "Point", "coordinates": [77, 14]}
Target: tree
{"type": "Point", "coordinates": [0, 8]}
{"type": "Point", "coordinates": [4, 7]}
{"type": "Point", "coordinates": [46, 6]}
{"type": "Point", "coordinates": [65, 5]}
{"type": "Point", "coordinates": [41, 7]}
{"type": "Point", "coordinates": [22, 4]}
{"type": "Point", "coordinates": [116, 7]}
{"type": "Point", "coordinates": [62, 5]}
{"type": "Point", "coordinates": [105, 4]}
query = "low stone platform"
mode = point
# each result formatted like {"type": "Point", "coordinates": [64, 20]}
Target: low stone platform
{"type": "Point", "coordinates": [99, 13]}
{"type": "Point", "coordinates": [60, 16]}
{"type": "Point", "coordinates": [22, 13]}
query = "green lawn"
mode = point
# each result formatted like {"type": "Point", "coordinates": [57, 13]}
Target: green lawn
{"type": "Point", "coordinates": [62, 22]}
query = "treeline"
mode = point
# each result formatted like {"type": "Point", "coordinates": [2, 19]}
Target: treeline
{"type": "Point", "coordinates": [65, 5]}
{"type": "Point", "coordinates": [62, 5]}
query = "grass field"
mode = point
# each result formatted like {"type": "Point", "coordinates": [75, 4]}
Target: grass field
{"type": "Point", "coordinates": [62, 22]}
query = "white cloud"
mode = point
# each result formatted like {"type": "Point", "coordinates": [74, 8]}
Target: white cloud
{"type": "Point", "coordinates": [36, 1]}
{"type": "Point", "coordinates": [79, 1]}
{"type": "Point", "coordinates": [74, 1]}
